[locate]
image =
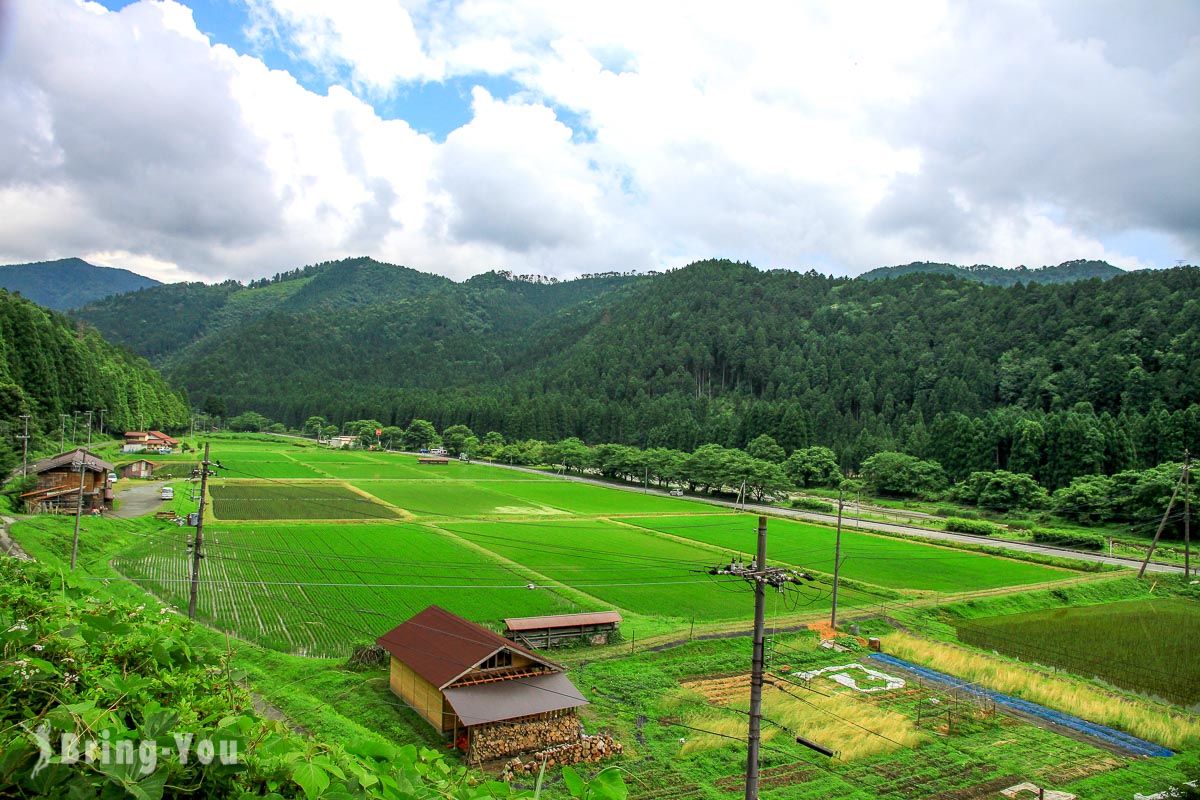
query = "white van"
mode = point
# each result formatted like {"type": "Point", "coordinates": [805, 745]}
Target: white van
{"type": "Point", "coordinates": [168, 493]}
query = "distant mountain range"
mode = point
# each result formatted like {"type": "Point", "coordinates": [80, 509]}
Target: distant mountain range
{"type": "Point", "coordinates": [1066, 272]}
{"type": "Point", "coordinates": [69, 282]}
{"type": "Point", "coordinates": [929, 360]}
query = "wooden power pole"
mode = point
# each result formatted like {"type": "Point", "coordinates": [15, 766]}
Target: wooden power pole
{"type": "Point", "coordinates": [837, 561]}
{"type": "Point", "coordinates": [199, 543]}
{"type": "Point", "coordinates": [79, 506]}
{"type": "Point", "coordinates": [761, 576]}
{"type": "Point", "coordinates": [1166, 516]}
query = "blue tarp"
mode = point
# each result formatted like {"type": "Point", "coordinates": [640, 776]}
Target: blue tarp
{"type": "Point", "coordinates": [1123, 740]}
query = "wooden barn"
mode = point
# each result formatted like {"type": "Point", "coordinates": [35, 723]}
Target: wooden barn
{"type": "Point", "coordinates": [563, 629]}
{"type": "Point", "coordinates": [137, 469]}
{"type": "Point", "coordinates": [492, 697]}
{"type": "Point", "coordinates": [57, 488]}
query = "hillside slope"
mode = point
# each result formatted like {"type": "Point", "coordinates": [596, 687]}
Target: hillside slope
{"type": "Point", "coordinates": [70, 282]}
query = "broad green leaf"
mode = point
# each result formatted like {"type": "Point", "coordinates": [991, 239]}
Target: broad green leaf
{"type": "Point", "coordinates": [311, 778]}
{"type": "Point", "coordinates": [575, 784]}
{"type": "Point", "coordinates": [609, 784]}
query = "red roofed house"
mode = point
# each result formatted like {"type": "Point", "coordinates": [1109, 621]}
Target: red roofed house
{"type": "Point", "coordinates": [493, 697]}
{"type": "Point", "coordinates": [137, 441]}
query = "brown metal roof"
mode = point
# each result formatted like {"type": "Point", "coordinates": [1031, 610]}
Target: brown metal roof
{"type": "Point", "coordinates": [562, 621]}
{"type": "Point", "coordinates": [441, 647]}
{"type": "Point", "coordinates": [71, 458]}
{"type": "Point", "coordinates": [521, 697]}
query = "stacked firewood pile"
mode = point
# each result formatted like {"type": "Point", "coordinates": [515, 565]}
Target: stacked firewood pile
{"type": "Point", "coordinates": [587, 749]}
{"type": "Point", "coordinates": [504, 739]}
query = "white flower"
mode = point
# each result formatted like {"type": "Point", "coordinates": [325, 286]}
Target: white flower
{"type": "Point", "coordinates": [38, 647]}
{"type": "Point", "coordinates": [18, 627]}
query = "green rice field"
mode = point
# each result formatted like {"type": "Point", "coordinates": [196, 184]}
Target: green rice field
{"type": "Point", "coordinates": [261, 501]}
{"type": "Point", "coordinates": [1148, 646]}
{"type": "Point", "coordinates": [473, 538]}
{"type": "Point", "coordinates": [879, 560]}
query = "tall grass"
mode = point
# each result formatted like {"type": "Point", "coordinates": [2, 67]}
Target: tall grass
{"type": "Point", "coordinates": [1148, 720]}
{"type": "Point", "coordinates": [846, 725]}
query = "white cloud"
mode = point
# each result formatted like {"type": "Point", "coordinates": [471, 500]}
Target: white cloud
{"type": "Point", "coordinates": [841, 136]}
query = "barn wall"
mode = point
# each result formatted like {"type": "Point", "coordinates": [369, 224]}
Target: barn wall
{"type": "Point", "coordinates": [421, 695]}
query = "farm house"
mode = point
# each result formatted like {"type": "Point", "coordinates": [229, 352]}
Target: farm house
{"type": "Point", "coordinates": [563, 629]}
{"type": "Point", "coordinates": [58, 481]}
{"type": "Point", "coordinates": [492, 697]}
{"type": "Point", "coordinates": [137, 469]}
{"type": "Point", "coordinates": [140, 441]}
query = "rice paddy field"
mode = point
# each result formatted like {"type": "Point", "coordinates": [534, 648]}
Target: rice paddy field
{"type": "Point", "coordinates": [313, 551]}
{"type": "Point", "coordinates": [1147, 646]}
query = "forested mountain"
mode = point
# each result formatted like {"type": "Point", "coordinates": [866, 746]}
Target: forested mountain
{"type": "Point", "coordinates": [51, 365]}
{"type": "Point", "coordinates": [1051, 379]}
{"type": "Point", "coordinates": [70, 282]}
{"type": "Point", "coordinates": [1067, 272]}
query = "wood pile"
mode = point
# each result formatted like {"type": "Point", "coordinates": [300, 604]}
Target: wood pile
{"type": "Point", "coordinates": [588, 749]}
{"type": "Point", "coordinates": [501, 740]}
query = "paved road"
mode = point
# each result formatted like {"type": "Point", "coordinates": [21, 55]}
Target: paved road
{"type": "Point", "coordinates": [139, 498]}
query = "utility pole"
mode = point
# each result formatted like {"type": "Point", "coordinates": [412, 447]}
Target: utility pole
{"type": "Point", "coordinates": [1187, 514]}
{"type": "Point", "coordinates": [1166, 515]}
{"type": "Point", "coordinates": [79, 505]}
{"type": "Point", "coordinates": [199, 543]}
{"type": "Point", "coordinates": [25, 452]}
{"type": "Point", "coordinates": [837, 561]}
{"type": "Point", "coordinates": [102, 420]}
{"type": "Point", "coordinates": [759, 574]}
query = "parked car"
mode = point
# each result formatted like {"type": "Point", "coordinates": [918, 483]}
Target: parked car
{"type": "Point", "coordinates": [677, 493]}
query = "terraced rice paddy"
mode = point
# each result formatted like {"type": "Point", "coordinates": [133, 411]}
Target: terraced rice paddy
{"type": "Point", "coordinates": [473, 537]}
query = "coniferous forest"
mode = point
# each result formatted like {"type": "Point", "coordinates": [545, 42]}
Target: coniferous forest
{"type": "Point", "coordinates": [52, 366]}
{"type": "Point", "coordinates": [1053, 380]}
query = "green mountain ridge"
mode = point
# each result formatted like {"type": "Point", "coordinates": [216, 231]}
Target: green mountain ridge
{"type": "Point", "coordinates": [1067, 272]}
{"type": "Point", "coordinates": [69, 282]}
{"type": "Point", "coordinates": [717, 351]}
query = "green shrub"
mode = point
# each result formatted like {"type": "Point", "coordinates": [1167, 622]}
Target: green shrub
{"type": "Point", "coordinates": [975, 526]}
{"type": "Point", "coordinates": [812, 504]}
{"type": "Point", "coordinates": [1084, 541]}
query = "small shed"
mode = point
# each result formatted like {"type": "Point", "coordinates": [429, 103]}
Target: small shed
{"type": "Point", "coordinates": [492, 697]}
{"type": "Point", "coordinates": [137, 469]}
{"type": "Point", "coordinates": [561, 629]}
{"type": "Point", "coordinates": [58, 479]}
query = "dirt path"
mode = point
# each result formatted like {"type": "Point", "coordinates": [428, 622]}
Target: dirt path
{"type": "Point", "coordinates": [7, 545]}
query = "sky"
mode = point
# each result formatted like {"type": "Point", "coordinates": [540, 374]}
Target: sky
{"type": "Point", "coordinates": [220, 139]}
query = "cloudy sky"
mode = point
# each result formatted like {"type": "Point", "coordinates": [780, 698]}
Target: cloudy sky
{"type": "Point", "coordinates": [236, 138]}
